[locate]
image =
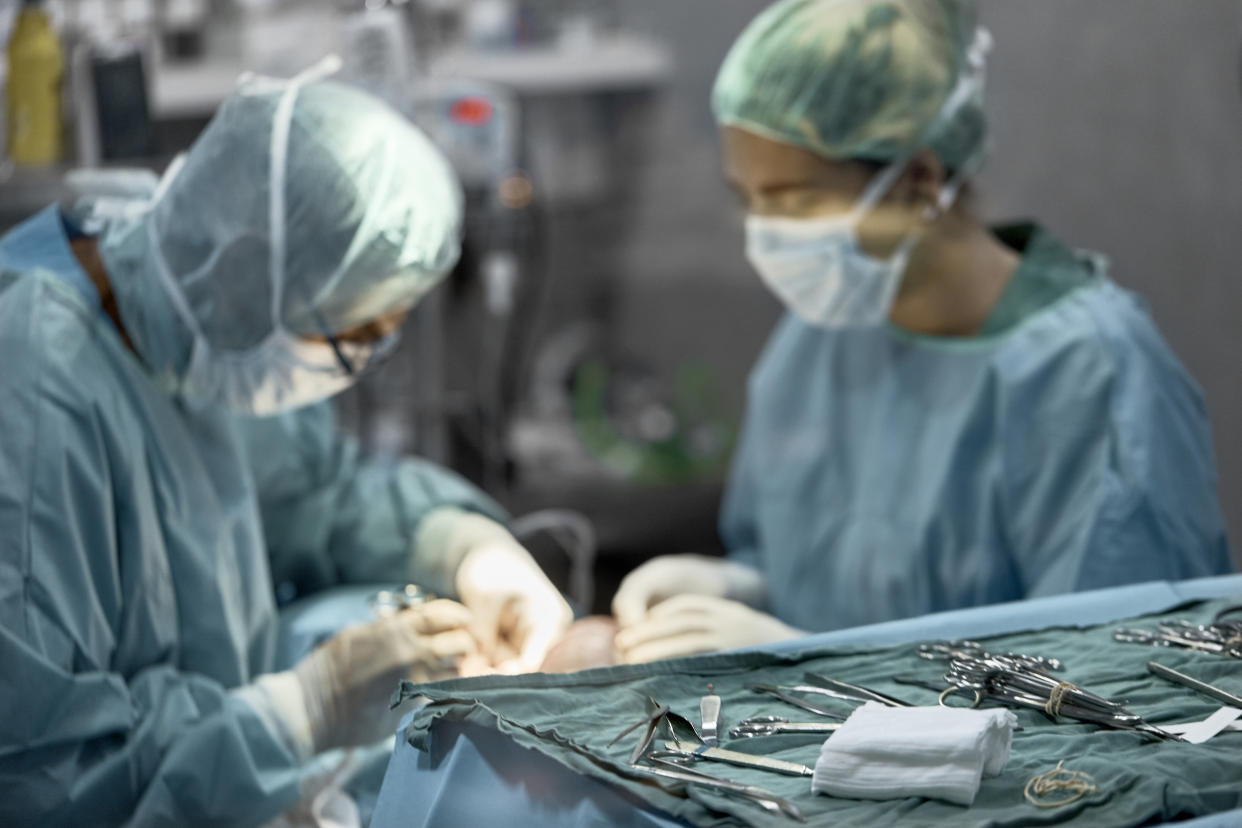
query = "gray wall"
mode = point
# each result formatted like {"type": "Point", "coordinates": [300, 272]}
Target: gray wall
{"type": "Point", "coordinates": [1118, 123]}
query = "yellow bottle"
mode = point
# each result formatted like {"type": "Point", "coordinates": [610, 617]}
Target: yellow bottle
{"type": "Point", "coordinates": [36, 67]}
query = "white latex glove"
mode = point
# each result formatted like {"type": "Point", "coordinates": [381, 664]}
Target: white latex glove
{"type": "Point", "coordinates": [347, 682]}
{"type": "Point", "coordinates": [662, 578]}
{"type": "Point", "coordinates": [518, 613]}
{"type": "Point", "coordinates": [690, 624]}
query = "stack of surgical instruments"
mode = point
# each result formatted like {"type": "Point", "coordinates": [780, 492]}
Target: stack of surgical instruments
{"type": "Point", "coordinates": [1014, 681]}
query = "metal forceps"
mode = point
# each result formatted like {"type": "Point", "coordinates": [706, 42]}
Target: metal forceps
{"type": "Point", "coordinates": [770, 802]}
{"type": "Point", "coordinates": [785, 694]}
{"type": "Point", "coordinates": [853, 692]}
{"type": "Point", "coordinates": [679, 751]}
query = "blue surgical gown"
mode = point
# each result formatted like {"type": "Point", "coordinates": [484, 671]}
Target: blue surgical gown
{"type": "Point", "coordinates": [882, 475]}
{"type": "Point", "coordinates": [135, 589]}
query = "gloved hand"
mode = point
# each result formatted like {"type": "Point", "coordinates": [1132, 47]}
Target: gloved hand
{"type": "Point", "coordinates": [662, 578]}
{"type": "Point", "coordinates": [689, 624]}
{"type": "Point", "coordinates": [518, 613]}
{"type": "Point", "coordinates": [347, 682]}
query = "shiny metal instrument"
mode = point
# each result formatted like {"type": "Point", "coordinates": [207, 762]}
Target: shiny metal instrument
{"type": "Point", "coordinates": [770, 802]}
{"type": "Point", "coordinates": [774, 725]}
{"type": "Point", "coordinates": [1016, 683]}
{"type": "Point", "coordinates": [709, 716]}
{"type": "Point", "coordinates": [950, 650]}
{"type": "Point", "coordinates": [689, 752]}
{"type": "Point", "coordinates": [1221, 637]}
{"type": "Point", "coordinates": [1209, 690]}
{"type": "Point", "coordinates": [786, 694]}
{"type": "Point", "coordinates": [852, 692]}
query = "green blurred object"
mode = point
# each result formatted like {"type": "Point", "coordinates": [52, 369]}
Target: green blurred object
{"type": "Point", "coordinates": [859, 79]}
{"type": "Point", "coordinates": [637, 434]}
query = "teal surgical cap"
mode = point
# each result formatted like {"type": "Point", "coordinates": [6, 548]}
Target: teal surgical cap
{"type": "Point", "coordinates": [305, 206]}
{"type": "Point", "coordinates": [860, 79]}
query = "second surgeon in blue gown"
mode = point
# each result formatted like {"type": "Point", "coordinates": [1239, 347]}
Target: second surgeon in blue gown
{"type": "Point", "coordinates": [160, 459]}
{"type": "Point", "coordinates": [950, 415]}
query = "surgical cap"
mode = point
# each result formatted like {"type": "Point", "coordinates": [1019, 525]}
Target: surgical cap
{"type": "Point", "coordinates": [858, 79]}
{"type": "Point", "coordinates": [316, 211]}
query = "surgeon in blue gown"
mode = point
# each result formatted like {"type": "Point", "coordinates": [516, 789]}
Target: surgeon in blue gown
{"type": "Point", "coordinates": [161, 441]}
{"type": "Point", "coordinates": [949, 414]}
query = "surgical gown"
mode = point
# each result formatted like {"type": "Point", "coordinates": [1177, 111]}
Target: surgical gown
{"type": "Point", "coordinates": [135, 590]}
{"type": "Point", "coordinates": [882, 475]}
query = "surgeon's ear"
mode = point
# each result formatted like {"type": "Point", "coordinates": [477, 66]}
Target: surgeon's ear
{"type": "Point", "coordinates": [924, 177]}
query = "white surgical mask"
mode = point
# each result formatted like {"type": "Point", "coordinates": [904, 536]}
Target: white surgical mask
{"type": "Point", "coordinates": [817, 267]}
{"type": "Point", "coordinates": [284, 372]}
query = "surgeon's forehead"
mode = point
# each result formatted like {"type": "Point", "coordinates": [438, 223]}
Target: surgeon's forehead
{"type": "Point", "coordinates": [751, 160]}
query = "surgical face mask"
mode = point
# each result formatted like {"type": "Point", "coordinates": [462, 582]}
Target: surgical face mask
{"type": "Point", "coordinates": [817, 267]}
{"type": "Point", "coordinates": [283, 373]}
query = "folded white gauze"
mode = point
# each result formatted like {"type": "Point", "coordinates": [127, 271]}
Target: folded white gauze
{"type": "Point", "coordinates": [886, 752]}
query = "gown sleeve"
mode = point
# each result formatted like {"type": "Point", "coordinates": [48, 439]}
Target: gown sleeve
{"type": "Point", "coordinates": [333, 516]}
{"type": "Point", "coordinates": [93, 733]}
{"type": "Point", "coordinates": [1110, 471]}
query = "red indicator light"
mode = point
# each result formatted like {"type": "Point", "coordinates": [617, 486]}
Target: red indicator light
{"type": "Point", "coordinates": [471, 111]}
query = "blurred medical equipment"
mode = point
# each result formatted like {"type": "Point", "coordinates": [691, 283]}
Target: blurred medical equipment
{"type": "Point", "coordinates": [1220, 637]}
{"type": "Point", "coordinates": [36, 67]}
{"type": "Point", "coordinates": [389, 601]}
{"type": "Point", "coordinates": [1203, 687]}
